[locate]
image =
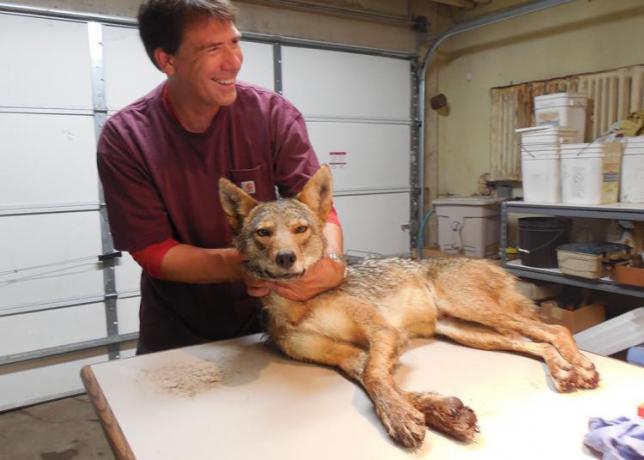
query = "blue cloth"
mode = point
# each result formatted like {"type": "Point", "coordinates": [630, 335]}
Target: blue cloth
{"type": "Point", "coordinates": [618, 439]}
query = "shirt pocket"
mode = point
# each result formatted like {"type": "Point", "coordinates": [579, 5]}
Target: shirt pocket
{"type": "Point", "coordinates": [255, 181]}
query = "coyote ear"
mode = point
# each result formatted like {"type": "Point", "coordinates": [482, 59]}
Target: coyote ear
{"type": "Point", "coordinates": [236, 203]}
{"type": "Point", "coordinates": [317, 194]}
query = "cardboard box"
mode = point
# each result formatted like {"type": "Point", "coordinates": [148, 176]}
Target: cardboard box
{"type": "Point", "coordinates": [575, 320]}
{"type": "Point", "coordinates": [538, 291]}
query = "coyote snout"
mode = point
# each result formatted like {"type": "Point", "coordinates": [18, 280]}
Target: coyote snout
{"type": "Point", "coordinates": [362, 326]}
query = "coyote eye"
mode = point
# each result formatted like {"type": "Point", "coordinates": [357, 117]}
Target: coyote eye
{"type": "Point", "coordinates": [301, 228]}
{"type": "Point", "coordinates": [263, 232]}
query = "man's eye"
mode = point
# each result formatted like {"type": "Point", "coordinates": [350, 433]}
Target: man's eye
{"type": "Point", "coordinates": [263, 232]}
{"type": "Point", "coordinates": [301, 229]}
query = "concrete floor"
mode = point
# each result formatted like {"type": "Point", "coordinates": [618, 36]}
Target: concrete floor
{"type": "Point", "coordinates": [66, 429]}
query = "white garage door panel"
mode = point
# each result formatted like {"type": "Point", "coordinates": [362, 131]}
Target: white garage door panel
{"type": "Point", "coordinates": [52, 328]}
{"type": "Point", "coordinates": [21, 386]}
{"type": "Point", "coordinates": [33, 240]}
{"type": "Point", "coordinates": [129, 73]}
{"type": "Point", "coordinates": [56, 166]}
{"type": "Point", "coordinates": [128, 274]}
{"type": "Point", "coordinates": [258, 64]}
{"type": "Point", "coordinates": [376, 155]}
{"type": "Point", "coordinates": [372, 223]}
{"type": "Point", "coordinates": [46, 63]}
{"type": "Point", "coordinates": [128, 314]}
{"type": "Point", "coordinates": [332, 83]}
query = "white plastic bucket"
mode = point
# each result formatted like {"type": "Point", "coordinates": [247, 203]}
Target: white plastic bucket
{"type": "Point", "coordinates": [540, 173]}
{"type": "Point", "coordinates": [547, 135]}
{"type": "Point", "coordinates": [589, 174]}
{"type": "Point", "coordinates": [632, 186]}
{"type": "Point", "coordinates": [562, 109]}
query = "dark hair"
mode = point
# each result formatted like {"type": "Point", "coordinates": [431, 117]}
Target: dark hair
{"type": "Point", "coordinates": [162, 22]}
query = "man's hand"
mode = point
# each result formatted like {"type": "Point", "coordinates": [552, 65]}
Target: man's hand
{"type": "Point", "coordinates": [321, 276]}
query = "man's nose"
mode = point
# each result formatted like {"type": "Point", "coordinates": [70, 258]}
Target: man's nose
{"type": "Point", "coordinates": [233, 59]}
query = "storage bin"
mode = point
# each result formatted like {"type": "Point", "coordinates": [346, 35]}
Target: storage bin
{"type": "Point", "coordinates": [468, 225]}
{"type": "Point", "coordinates": [562, 109]}
{"type": "Point", "coordinates": [590, 173]}
{"type": "Point", "coordinates": [632, 185]}
{"type": "Point", "coordinates": [540, 174]}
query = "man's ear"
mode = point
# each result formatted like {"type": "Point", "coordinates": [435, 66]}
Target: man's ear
{"type": "Point", "coordinates": [236, 203]}
{"type": "Point", "coordinates": [317, 194]}
{"type": "Point", "coordinates": [165, 61]}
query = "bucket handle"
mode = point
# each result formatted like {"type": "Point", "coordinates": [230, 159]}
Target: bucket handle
{"type": "Point", "coordinates": [599, 138]}
{"type": "Point", "coordinates": [538, 248]}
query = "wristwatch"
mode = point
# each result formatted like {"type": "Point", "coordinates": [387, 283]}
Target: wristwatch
{"type": "Point", "coordinates": [338, 258]}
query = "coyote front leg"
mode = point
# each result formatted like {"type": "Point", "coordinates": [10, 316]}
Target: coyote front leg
{"type": "Point", "coordinates": [372, 369]}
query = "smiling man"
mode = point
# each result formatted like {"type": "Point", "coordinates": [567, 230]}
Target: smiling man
{"type": "Point", "coordinates": [161, 157]}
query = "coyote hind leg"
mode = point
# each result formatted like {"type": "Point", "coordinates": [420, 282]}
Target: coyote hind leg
{"type": "Point", "coordinates": [499, 307]}
{"type": "Point", "coordinates": [565, 376]}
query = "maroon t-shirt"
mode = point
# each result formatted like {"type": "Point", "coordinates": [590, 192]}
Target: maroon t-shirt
{"type": "Point", "coordinates": [160, 182]}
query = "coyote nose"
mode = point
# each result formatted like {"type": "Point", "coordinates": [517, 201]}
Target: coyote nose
{"type": "Point", "coordinates": [285, 259]}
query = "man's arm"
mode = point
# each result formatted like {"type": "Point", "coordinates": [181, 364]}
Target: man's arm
{"type": "Point", "coordinates": [190, 264]}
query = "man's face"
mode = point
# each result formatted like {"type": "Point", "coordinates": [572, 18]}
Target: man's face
{"type": "Point", "coordinates": [206, 64]}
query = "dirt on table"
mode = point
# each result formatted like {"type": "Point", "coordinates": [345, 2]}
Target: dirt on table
{"type": "Point", "coordinates": [188, 379]}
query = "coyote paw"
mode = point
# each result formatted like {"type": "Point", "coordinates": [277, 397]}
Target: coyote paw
{"type": "Point", "coordinates": [447, 414]}
{"type": "Point", "coordinates": [564, 378]}
{"type": "Point", "coordinates": [587, 377]}
{"type": "Point", "coordinates": [568, 378]}
{"type": "Point", "coordinates": [403, 422]}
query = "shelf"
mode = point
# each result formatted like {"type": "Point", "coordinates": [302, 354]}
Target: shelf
{"type": "Point", "coordinates": [618, 211]}
{"type": "Point", "coordinates": [554, 275]}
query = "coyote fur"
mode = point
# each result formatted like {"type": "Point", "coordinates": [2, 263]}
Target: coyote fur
{"type": "Point", "coordinates": [362, 326]}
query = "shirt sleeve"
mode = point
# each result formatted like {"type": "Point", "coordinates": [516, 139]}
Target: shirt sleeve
{"type": "Point", "coordinates": [151, 256]}
{"type": "Point", "coordinates": [136, 212]}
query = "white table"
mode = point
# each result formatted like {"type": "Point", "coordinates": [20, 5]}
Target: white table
{"type": "Point", "coordinates": [269, 407]}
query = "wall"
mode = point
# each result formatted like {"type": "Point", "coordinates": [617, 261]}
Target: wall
{"type": "Point", "coordinates": [257, 16]}
{"type": "Point", "coordinates": [582, 36]}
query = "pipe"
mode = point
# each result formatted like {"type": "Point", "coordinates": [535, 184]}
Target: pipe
{"type": "Point", "coordinates": [354, 13]}
{"type": "Point", "coordinates": [63, 14]}
{"type": "Point", "coordinates": [429, 56]}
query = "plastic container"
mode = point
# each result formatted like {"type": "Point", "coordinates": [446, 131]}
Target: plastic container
{"type": "Point", "coordinates": [562, 109]}
{"type": "Point", "coordinates": [540, 174]}
{"type": "Point", "coordinates": [632, 186]}
{"type": "Point", "coordinates": [539, 238]}
{"type": "Point", "coordinates": [549, 135]}
{"type": "Point", "coordinates": [587, 260]}
{"type": "Point", "coordinates": [468, 225]}
{"type": "Point", "coordinates": [590, 173]}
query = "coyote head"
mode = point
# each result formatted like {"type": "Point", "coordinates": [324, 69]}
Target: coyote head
{"type": "Point", "coordinates": [280, 239]}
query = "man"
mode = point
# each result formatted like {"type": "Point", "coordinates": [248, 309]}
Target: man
{"type": "Point", "coordinates": [160, 158]}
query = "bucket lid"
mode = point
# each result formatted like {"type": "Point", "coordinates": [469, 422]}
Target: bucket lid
{"type": "Point", "coordinates": [468, 200]}
{"type": "Point", "coordinates": [635, 141]}
{"type": "Point", "coordinates": [547, 97]}
{"type": "Point", "coordinates": [546, 129]}
{"type": "Point", "coordinates": [554, 223]}
{"type": "Point", "coordinates": [594, 248]}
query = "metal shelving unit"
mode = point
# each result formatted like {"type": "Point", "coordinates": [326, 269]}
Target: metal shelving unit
{"type": "Point", "coordinates": [616, 211]}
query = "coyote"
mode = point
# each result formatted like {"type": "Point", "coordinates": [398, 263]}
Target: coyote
{"type": "Point", "coordinates": [362, 326]}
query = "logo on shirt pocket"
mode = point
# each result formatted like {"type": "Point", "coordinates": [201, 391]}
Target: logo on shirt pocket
{"type": "Point", "coordinates": [248, 186]}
